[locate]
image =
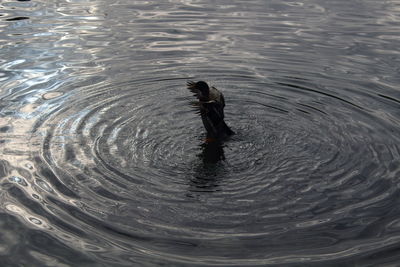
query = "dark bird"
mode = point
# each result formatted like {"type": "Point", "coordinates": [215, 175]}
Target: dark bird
{"type": "Point", "coordinates": [211, 108]}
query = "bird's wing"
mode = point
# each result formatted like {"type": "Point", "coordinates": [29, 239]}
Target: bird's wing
{"type": "Point", "coordinates": [214, 110]}
{"type": "Point", "coordinates": [212, 116]}
{"type": "Point", "coordinates": [192, 88]}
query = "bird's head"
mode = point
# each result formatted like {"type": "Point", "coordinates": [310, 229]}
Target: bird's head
{"type": "Point", "coordinates": [204, 89]}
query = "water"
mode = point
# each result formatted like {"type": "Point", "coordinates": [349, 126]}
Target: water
{"type": "Point", "coordinates": [102, 160]}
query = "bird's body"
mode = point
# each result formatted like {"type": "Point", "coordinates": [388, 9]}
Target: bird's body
{"type": "Point", "coordinates": [211, 108]}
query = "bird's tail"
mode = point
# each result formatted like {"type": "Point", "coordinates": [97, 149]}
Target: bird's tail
{"type": "Point", "coordinates": [225, 129]}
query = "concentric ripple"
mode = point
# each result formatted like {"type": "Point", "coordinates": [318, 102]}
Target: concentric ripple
{"type": "Point", "coordinates": [125, 162]}
{"type": "Point", "coordinates": [104, 160]}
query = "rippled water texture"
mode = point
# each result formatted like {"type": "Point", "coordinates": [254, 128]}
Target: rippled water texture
{"type": "Point", "coordinates": [102, 159]}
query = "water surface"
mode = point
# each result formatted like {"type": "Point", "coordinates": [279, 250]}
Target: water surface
{"type": "Point", "coordinates": [103, 161]}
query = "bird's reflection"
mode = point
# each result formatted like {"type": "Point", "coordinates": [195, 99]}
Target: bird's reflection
{"type": "Point", "coordinates": [208, 169]}
{"type": "Point", "coordinates": [212, 152]}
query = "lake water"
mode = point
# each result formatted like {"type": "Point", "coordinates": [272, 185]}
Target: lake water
{"type": "Point", "coordinates": [103, 161]}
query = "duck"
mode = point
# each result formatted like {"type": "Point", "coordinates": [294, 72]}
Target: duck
{"type": "Point", "coordinates": [210, 106]}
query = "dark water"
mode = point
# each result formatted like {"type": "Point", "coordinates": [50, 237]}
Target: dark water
{"type": "Point", "coordinates": [102, 160]}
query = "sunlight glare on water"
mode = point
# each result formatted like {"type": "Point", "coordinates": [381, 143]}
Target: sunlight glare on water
{"type": "Point", "coordinates": [103, 161]}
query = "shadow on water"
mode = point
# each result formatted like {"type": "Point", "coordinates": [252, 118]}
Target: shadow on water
{"type": "Point", "coordinates": [209, 169]}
